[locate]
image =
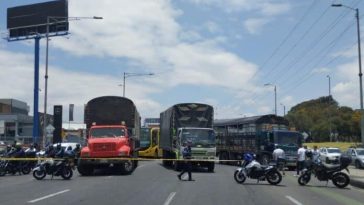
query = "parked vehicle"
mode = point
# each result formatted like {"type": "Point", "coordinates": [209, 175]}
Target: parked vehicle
{"type": "Point", "coordinates": [257, 134]}
{"type": "Point", "coordinates": [13, 167]}
{"type": "Point", "coordinates": [357, 156]}
{"type": "Point", "coordinates": [113, 127]}
{"type": "Point", "coordinates": [60, 167]}
{"type": "Point", "coordinates": [253, 169]}
{"type": "Point", "coordinates": [149, 142]}
{"type": "Point", "coordinates": [188, 121]}
{"type": "Point", "coordinates": [330, 156]}
{"type": "Point", "coordinates": [325, 173]}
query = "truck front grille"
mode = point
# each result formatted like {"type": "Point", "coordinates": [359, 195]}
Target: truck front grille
{"type": "Point", "coordinates": [101, 147]}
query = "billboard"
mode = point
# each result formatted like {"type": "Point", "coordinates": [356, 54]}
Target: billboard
{"type": "Point", "coordinates": [32, 19]}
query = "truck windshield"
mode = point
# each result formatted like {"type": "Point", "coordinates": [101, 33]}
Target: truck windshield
{"type": "Point", "coordinates": [199, 137]}
{"type": "Point", "coordinates": [287, 138]}
{"type": "Point", "coordinates": [106, 132]}
{"type": "Point", "coordinates": [144, 137]}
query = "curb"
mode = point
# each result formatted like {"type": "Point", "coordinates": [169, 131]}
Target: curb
{"type": "Point", "coordinates": [357, 182]}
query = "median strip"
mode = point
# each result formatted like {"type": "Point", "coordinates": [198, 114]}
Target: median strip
{"type": "Point", "coordinates": [48, 196]}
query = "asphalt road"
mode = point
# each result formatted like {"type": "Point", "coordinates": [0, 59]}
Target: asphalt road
{"type": "Point", "coordinates": [151, 183]}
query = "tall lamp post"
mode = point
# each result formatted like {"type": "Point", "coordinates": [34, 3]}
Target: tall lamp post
{"type": "Point", "coordinates": [359, 61]}
{"type": "Point", "coordinates": [330, 130]}
{"type": "Point", "coordinates": [126, 75]}
{"type": "Point", "coordinates": [55, 21]}
{"type": "Point", "coordinates": [275, 96]}
{"type": "Point", "coordinates": [284, 110]}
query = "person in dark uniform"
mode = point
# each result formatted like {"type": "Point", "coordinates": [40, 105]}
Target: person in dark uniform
{"type": "Point", "coordinates": [187, 164]}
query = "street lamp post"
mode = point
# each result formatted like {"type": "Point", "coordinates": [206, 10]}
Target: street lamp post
{"type": "Point", "coordinates": [275, 96]}
{"type": "Point", "coordinates": [65, 19]}
{"type": "Point", "coordinates": [126, 75]}
{"type": "Point", "coordinates": [284, 110]}
{"type": "Point", "coordinates": [359, 61]}
{"type": "Point", "coordinates": [330, 130]}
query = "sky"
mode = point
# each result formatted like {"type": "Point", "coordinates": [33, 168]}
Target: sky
{"type": "Point", "coordinates": [226, 53]}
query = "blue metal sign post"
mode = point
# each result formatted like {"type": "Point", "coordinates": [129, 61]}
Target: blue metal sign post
{"type": "Point", "coordinates": [36, 91]}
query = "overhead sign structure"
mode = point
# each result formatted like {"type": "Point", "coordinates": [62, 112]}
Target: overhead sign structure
{"type": "Point", "coordinates": [28, 20]}
{"type": "Point", "coordinates": [35, 21]}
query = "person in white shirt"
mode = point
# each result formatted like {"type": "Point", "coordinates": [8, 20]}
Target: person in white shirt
{"type": "Point", "coordinates": [301, 156]}
{"type": "Point", "coordinates": [280, 158]}
{"type": "Point", "coordinates": [315, 155]}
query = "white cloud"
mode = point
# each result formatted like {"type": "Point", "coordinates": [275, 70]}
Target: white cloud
{"type": "Point", "coordinates": [265, 7]}
{"type": "Point", "coordinates": [346, 91]}
{"type": "Point", "coordinates": [65, 87]}
{"type": "Point", "coordinates": [255, 25]}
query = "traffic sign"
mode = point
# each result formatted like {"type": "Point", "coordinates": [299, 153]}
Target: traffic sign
{"type": "Point", "coordinates": [49, 129]}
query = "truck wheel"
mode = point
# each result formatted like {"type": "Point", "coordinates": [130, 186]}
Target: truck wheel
{"type": "Point", "coordinates": [84, 169]}
{"type": "Point", "coordinates": [211, 167]}
{"type": "Point", "coordinates": [127, 167]}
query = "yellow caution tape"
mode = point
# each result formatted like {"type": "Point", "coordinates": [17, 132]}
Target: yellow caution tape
{"type": "Point", "coordinates": [116, 158]}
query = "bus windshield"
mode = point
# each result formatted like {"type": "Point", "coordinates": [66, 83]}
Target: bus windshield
{"type": "Point", "coordinates": [144, 137]}
{"type": "Point", "coordinates": [199, 137]}
{"type": "Point", "coordinates": [105, 132]}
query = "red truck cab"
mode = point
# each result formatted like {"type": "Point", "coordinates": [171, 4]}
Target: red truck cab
{"type": "Point", "coordinates": [107, 145]}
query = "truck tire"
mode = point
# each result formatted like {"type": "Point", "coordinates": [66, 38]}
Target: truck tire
{"type": "Point", "coordinates": [127, 167]}
{"type": "Point", "coordinates": [211, 167]}
{"type": "Point", "coordinates": [84, 169]}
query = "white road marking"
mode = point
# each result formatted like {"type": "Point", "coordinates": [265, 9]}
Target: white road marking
{"type": "Point", "coordinates": [48, 196]}
{"type": "Point", "coordinates": [294, 200]}
{"type": "Point", "coordinates": [169, 199]}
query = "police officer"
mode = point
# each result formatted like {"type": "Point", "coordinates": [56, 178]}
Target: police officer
{"type": "Point", "coordinates": [187, 164]}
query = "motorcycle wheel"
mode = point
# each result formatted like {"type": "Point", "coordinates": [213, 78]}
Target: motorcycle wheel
{"type": "Point", "coordinates": [67, 173]}
{"type": "Point", "coordinates": [39, 174]}
{"type": "Point", "coordinates": [304, 179]}
{"type": "Point", "coordinates": [274, 177]}
{"type": "Point", "coordinates": [340, 180]}
{"type": "Point", "coordinates": [239, 177]}
{"type": "Point", "coordinates": [26, 170]}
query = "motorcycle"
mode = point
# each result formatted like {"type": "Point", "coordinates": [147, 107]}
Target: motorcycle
{"type": "Point", "coordinates": [13, 166]}
{"type": "Point", "coordinates": [252, 169]}
{"type": "Point", "coordinates": [59, 167]}
{"type": "Point", "coordinates": [323, 173]}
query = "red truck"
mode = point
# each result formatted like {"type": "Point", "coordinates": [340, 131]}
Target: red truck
{"type": "Point", "coordinates": [113, 127]}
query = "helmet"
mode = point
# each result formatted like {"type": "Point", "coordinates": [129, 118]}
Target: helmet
{"type": "Point", "coordinates": [248, 157]}
{"type": "Point", "coordinates": [78, 145]}
{"type": "Point", "coordinates": [309, 154]}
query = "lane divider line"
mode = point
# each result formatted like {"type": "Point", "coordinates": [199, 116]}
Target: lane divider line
{"type": "Point", "coordinates": [48, 196]}
{"type": "Point", "coordinates": [169, 198]}
{"type": "Point", "coordinates": [294, 200]}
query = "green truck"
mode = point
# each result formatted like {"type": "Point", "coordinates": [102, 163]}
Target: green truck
{"type": "Point", "coordinates": [188, 121]}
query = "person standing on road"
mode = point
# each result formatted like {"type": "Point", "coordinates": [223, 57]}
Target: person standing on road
{"type": "Point", "coordinates": [187, 167]}
{"type": "Point", "coordinates": [315, 155]}
{"type": "Point", "coordinates": [280, 158]}
{"type": "Point", "coordinates": [301, 156]}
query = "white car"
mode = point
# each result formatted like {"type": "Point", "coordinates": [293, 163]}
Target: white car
{"type": "Point", "coordinates": [330, 155]}
{"type": "Point", "coordinates": [357, 156]}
